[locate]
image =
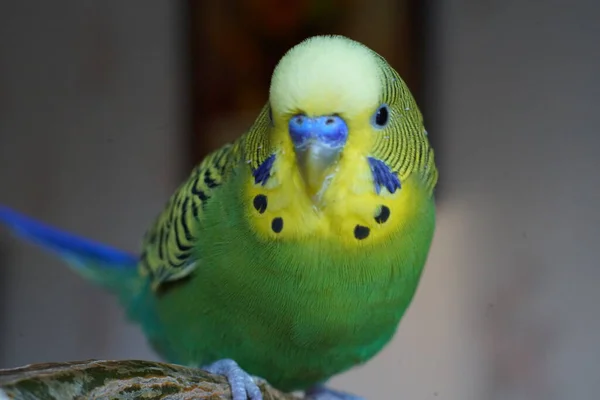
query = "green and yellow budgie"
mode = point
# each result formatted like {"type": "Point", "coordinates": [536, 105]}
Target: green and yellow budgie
{"type": "Point", "coordinates": [292, 253]}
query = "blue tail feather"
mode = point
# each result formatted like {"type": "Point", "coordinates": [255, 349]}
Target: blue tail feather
{"type": "Point", "coordinates": [66, 244]}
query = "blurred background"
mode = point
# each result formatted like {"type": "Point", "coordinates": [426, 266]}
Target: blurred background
{"type": "Point", "coordinates": [106, 105]}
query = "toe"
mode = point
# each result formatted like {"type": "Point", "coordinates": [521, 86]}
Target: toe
{"type": "Point", "coordinates": [252, 389]}
{"type": "Point", "coordinates": [241, 383]}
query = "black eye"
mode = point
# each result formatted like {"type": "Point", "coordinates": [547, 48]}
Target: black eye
{"type": "Point", "coordinates": [381, 117]}
{"type": "Point", "coordinates": [270, 116]}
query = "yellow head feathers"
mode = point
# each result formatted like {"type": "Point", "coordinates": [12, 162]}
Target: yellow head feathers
{"type": "Point", "coordinates": [326, 75]}
{"type": "Point", "coordinates": [334, 76]}
{"type": "Point", "coordinates": [340, 140]}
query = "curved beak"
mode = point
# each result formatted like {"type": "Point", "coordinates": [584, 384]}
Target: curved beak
{"type": "Point", "coordinates": [318, 143]}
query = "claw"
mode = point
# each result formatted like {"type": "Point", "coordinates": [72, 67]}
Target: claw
{"type": "Point", "coordinates": [321, 392]}
{"type": "Point", "coordinates": [243, 386]}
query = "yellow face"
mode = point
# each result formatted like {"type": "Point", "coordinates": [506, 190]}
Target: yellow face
{"type": "Point", "coordinates": [323, 93]}
{"type": "Point", "coordinates": [347, 141]}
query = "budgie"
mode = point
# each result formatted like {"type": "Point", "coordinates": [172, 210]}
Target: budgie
{"type": "Point", "coordinates": [292, 253]}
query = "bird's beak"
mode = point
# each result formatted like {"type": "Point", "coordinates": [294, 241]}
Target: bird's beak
{"type": "Point", "coordinates": [318, 143]}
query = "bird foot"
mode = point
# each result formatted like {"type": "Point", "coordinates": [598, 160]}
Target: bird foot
{"type": "Point", "coordinates": [243, 385]}
{"type": "Point", "coordinates": [324, 393]}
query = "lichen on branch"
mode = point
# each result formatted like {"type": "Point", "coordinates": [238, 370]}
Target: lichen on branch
{"type": "Point", "coordinates": [117, 380]}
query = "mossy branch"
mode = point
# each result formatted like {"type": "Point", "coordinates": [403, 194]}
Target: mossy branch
{"type": "Point", "coordinates": [117, 380]}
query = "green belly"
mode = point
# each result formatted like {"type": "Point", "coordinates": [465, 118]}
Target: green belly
{"type": "Point", "coordinates": [293, 329]}
{"type": "Point", "coordinates": [293, 313]}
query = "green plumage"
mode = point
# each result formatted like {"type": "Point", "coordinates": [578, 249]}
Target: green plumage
{"type": "Point", "coordinates": [243, 264]}
{"type": "Point", "coordinates": [293, 319]}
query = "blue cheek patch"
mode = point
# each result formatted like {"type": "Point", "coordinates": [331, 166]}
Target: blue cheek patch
{"type": "Point", "coordinates": [263, 172]}
{"type": "Point", "coordinates": [383, 176]}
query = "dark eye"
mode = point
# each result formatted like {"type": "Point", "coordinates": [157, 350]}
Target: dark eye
{"type": "Point", "coordinates": [381, 117]}
{"type": "Point", "coordinates": [270, 116]}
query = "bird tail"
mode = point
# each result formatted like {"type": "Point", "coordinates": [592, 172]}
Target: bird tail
{"type": "Point", "coordinates": [113, 269]}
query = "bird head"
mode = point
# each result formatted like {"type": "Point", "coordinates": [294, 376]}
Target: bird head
{"type": "Point", "coordinates": [332, 98]}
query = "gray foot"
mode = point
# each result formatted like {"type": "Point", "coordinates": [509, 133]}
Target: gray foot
{"type": "Point", "coordinates": [323, 393]}
{"type": "Point", "coordinates": [242, 384]}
